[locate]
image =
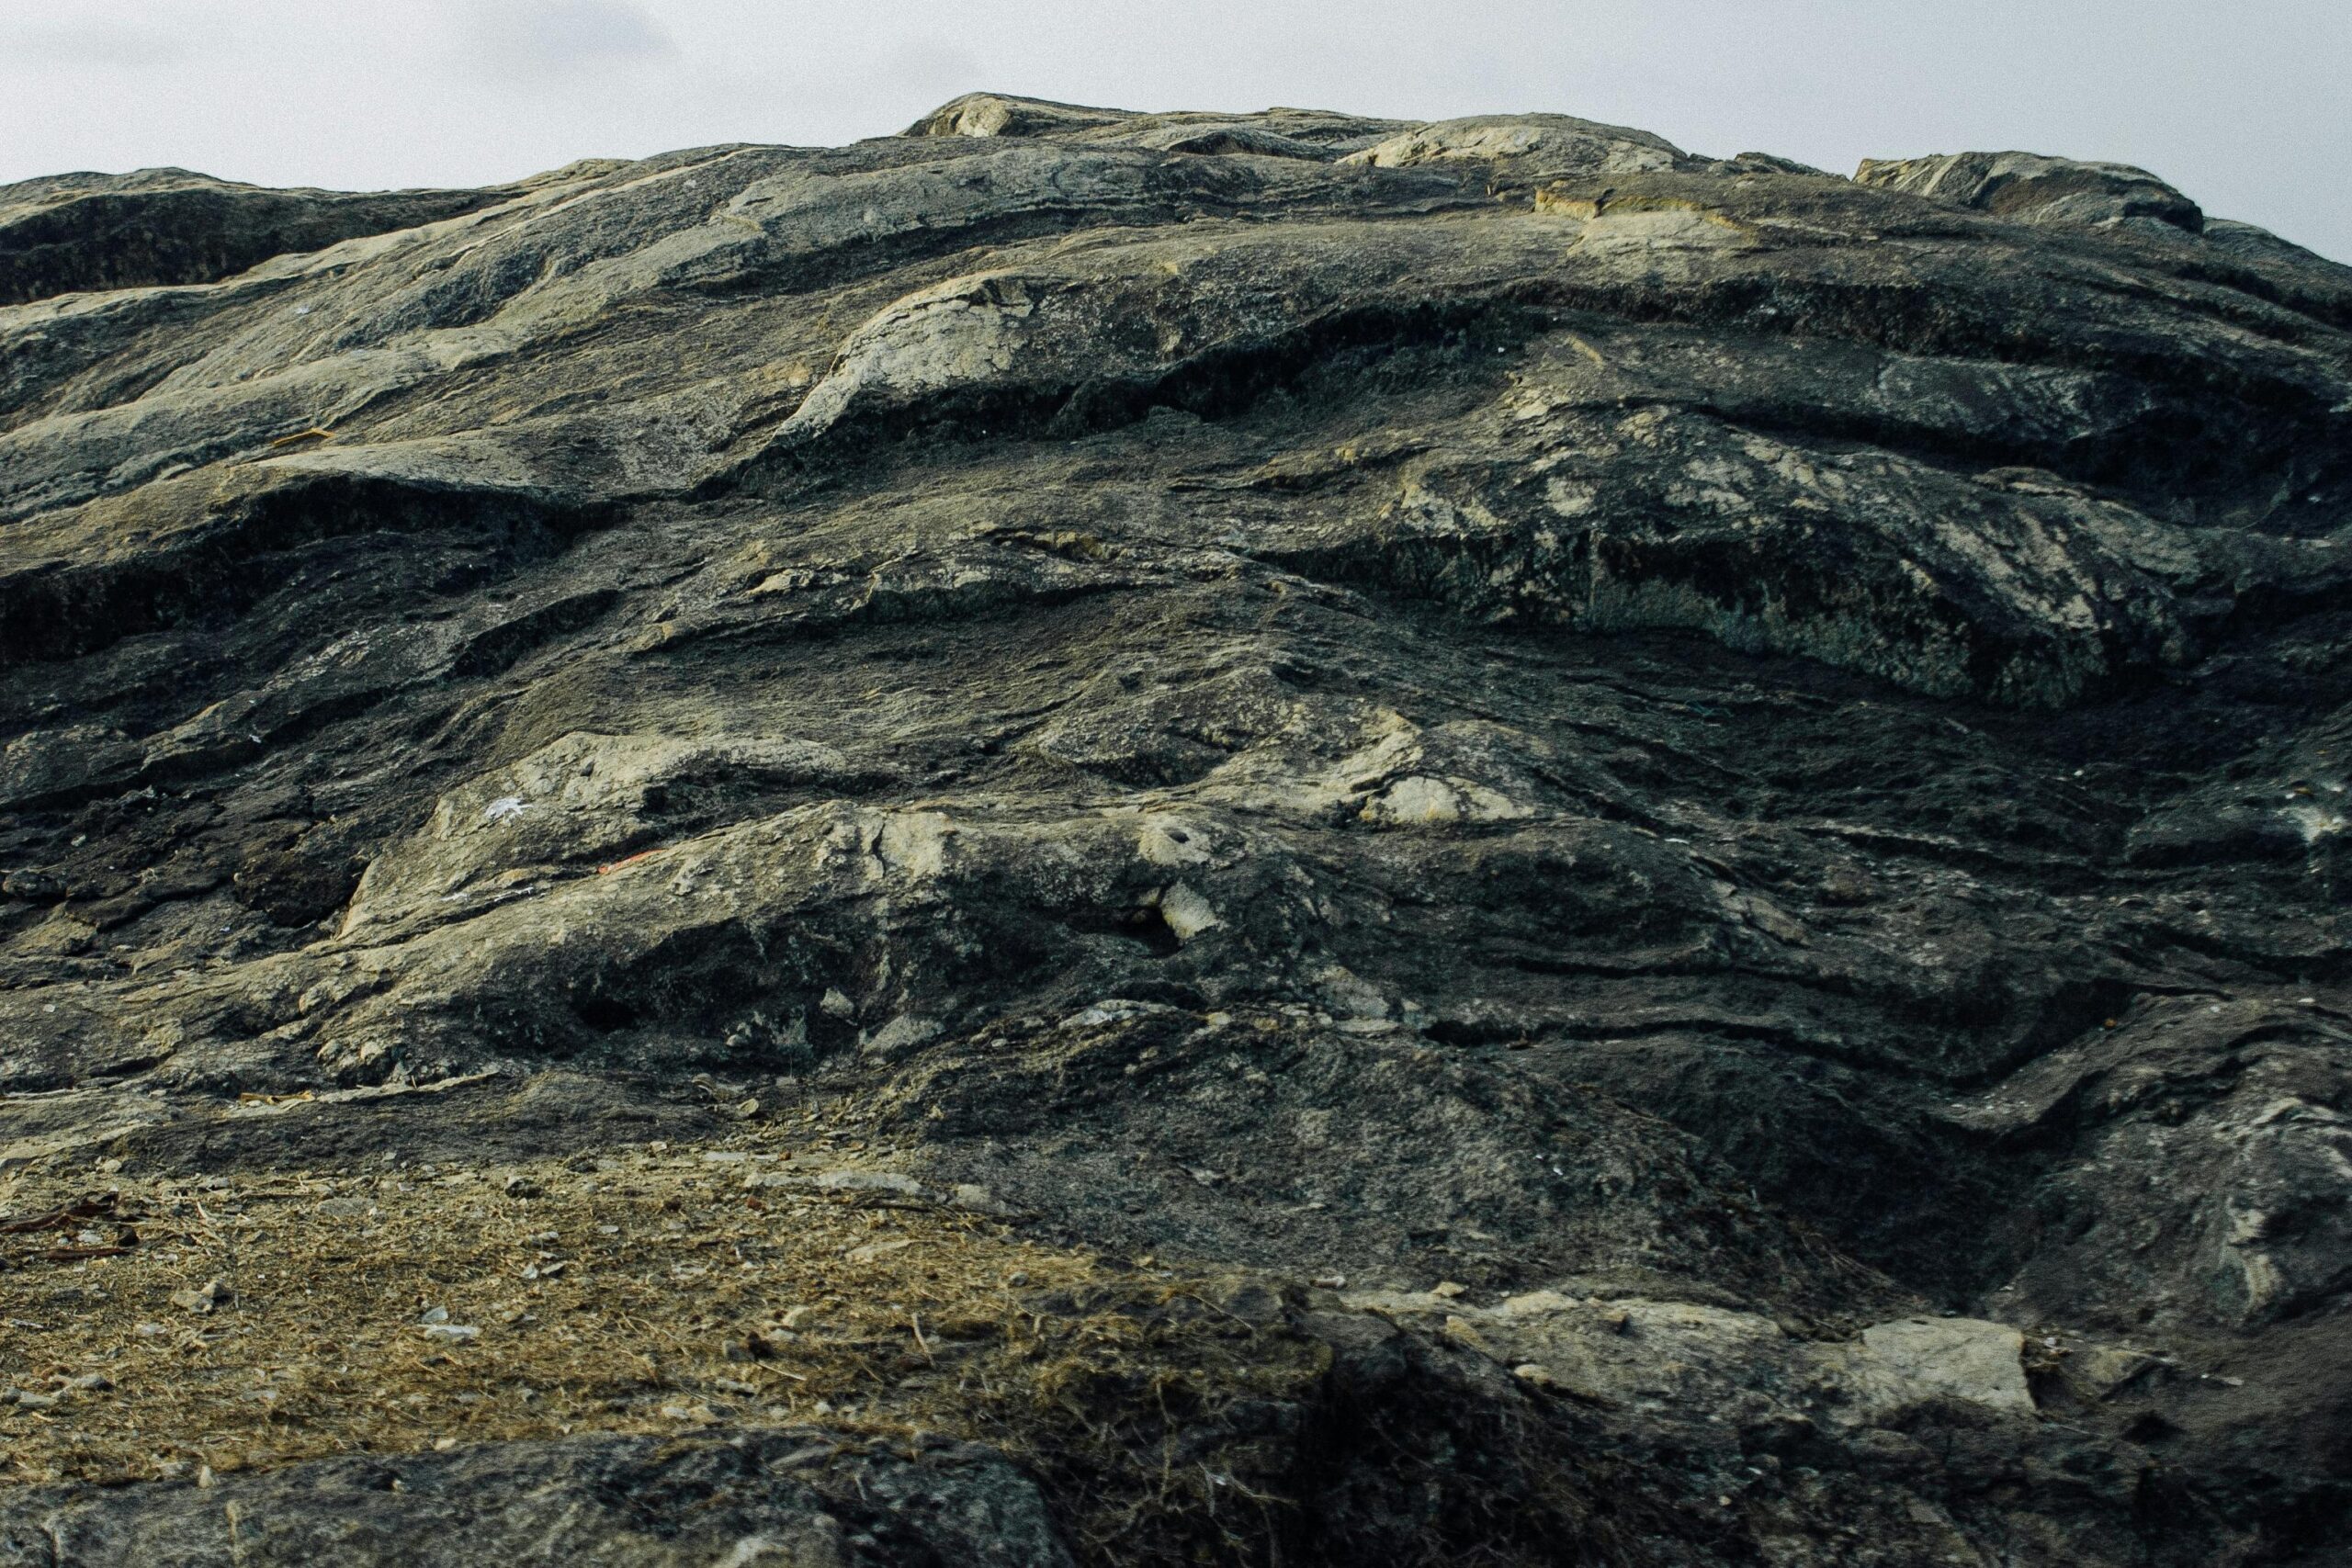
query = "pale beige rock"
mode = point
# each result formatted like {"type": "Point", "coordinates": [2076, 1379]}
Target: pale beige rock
{"type": "Point", "coordinates": [1966, 1358]}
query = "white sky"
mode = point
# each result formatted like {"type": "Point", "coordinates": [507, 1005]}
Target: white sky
{"type": "Point", "coordinates": [2246, 105]}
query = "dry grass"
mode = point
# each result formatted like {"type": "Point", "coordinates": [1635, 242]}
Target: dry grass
{"type": "Point", "coordinates": [870, 1311]}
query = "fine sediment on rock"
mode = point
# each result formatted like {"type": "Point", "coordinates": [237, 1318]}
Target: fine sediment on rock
{"type": "Point", "coordinates": [1187, 837]}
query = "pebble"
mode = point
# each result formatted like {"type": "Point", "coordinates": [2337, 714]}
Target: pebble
{"type": "Point", "coordinates": [850, 1180]}
{"type": "Point", "coordinates": [978, 1200]}
{"type": "Point", "coordinates": [451, 1333]}
{"type": "Point", "coordinates": [201, 1301]}
{"type": "Point", "coordinates": [874, 1249]}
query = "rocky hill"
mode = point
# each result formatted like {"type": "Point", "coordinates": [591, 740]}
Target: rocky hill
{"type": "Point", "coordinates": [1090, 838]}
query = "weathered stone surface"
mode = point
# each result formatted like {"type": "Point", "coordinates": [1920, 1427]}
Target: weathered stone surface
{"type": "Point", "coordinates": [789, 1497]}
{"type": "Point", "coordinates": [71, 233]}
{"type": "Point", "coordinates": [1966, 1358]}
{"type": "Point", "coordinates": [1712, 755]}
{"type": "Point", "coordinates": [2026, 187]}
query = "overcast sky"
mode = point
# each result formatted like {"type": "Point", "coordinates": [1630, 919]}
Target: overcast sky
{"type": "Point", "coordinates": [2241, 103]}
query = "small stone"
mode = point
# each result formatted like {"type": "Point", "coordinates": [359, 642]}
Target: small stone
{"type": "Point", "coordinates": [1535, 1375]}
{"type": "Point", "coordinates": [89, 1382]}
{"type": "Point", "coordinates": [1330, 1282]}
{"type": "Point", "coordinates": [1449, 1289]}
{"type": "Point", "coordinates": [451, 1333]}
{"type": "Point", "coordinates": [978, 1200]}
{"type": "Point", "coordinates": [442, 1445]}
{"type": "Point", "coordinates": [192, 1300]}
{"type": "Point", "coordinates": [434, 1314]}
{"type": "Point", "coordinates": [874, 1249]}
{"type": "Point", "coordinates": [850, 1180]}
{"type": "Point", "coordinates": [1019, 1277]}
{"type": "Point", "coordinates": [748, 1109]}
{"type": "Point", "coordinates": [519, 1187]}
{"type": "Point", "coordinates": [149, 1330]}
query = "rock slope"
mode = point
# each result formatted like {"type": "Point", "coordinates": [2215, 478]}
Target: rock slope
{"type": "Point", "coordinates": [1670, 826]}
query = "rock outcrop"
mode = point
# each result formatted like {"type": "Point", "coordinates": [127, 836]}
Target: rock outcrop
{"type": "Point", "coordinates": [71, 233]}
{"type": "Point", "coordinates": [2028, 188]}
{"type": "Point", "coordinates": [1352, 839]}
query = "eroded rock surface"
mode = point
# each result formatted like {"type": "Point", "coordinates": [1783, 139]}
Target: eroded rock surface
{"type": "Point", "coordinates": [1696, 807]}
{"type": "Point", "coordinates": [781, 1498]}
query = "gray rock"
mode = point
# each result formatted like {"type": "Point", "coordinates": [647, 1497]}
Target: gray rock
{"type": "Point", "coordinates": [69, 233]}
{"type": "Point", "coordinates": [627, 1501]}
{"type": "Point", "coordinates": [1719, 753]}
{"type": "Point", "coordinates": [2027, 187]}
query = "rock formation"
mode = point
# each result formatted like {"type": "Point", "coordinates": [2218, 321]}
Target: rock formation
{"type": "Point", "coordinates": [1111, 837]}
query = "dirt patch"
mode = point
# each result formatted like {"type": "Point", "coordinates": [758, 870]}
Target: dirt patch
{"type": "Point", "coordinates": [163, 1328]}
